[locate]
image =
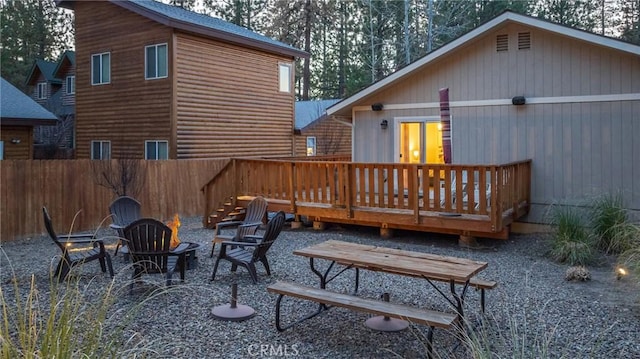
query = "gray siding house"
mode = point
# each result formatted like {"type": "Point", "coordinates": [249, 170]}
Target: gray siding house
{"type": "Point", "coordinates": [579, 124]}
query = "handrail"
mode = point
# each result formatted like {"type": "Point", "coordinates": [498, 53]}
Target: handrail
{"type": "Point", "coordinates": [480, 190]}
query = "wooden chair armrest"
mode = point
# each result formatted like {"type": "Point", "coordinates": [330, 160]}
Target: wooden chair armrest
{"type": "Point", "coordinates": [254, 224]}
{"type": "Point", "coordinates": [244, 244]}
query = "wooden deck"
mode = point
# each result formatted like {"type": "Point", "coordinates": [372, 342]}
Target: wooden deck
{"type": "Point", "coordinates": [471, 200]}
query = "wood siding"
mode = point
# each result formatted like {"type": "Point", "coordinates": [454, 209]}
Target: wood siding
{"type": "Point", "coordinates": [68, 186]}
{"type": "Point", "coordinates": [130, 109]}
{"type": "Point", "coordinates": [17, 151]}
{"type": "Point", "coordinates": [331, 138]}
{"type": "Point", "coordinates": [228, 101]}
{"type": "Point", "coordinates": [578, 150]}
{"type": "Point", "coordinates": [67, 70]}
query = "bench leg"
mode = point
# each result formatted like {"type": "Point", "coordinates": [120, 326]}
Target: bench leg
{"type": "Point", "coordinates": [280, 328]}
{"type": "Point", "coordinates": [482, 299]}
{"type": "Point", "coordinates": [430, 343]}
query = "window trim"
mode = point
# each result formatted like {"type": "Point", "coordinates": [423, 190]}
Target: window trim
{"type": "Point", "coordinates": [72, 79]}
{"type": "Point", "coordinates": [146, 62]}
{"type": "Point", "coordinates": [41, 90]}
{"type": "Point", "coordinates": [315, 146]}
{"type": "Point", "coordinates": [102, 82]}
{"type": "Point", "coordinates": [289, 67]}
{"type": "Point", "coordinates": [157, 156]}
{"type": "Point", "coordinates": [102, 156]}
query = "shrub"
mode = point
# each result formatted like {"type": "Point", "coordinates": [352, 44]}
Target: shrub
{"type": "Point", "coordinates": [610, 226]}
{"type": "Point", "coordinates": [630, 258]}
{"type": "Point", "coordinates": [572, 243]}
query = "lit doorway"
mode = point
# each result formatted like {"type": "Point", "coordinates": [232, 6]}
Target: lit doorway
{"type": "Point", "coordinates": [419, 140]}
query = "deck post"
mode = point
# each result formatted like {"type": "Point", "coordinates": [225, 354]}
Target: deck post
{"type": "Point", "coordinates": [386, 232]}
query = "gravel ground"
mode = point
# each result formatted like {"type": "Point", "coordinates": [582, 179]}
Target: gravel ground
{"type": "Point", "coordinates": [533, 313]}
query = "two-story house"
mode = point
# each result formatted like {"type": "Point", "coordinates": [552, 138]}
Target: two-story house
{"type": "Point", "coordinates": [156, 81]}
{"type": "Point", "coordinates": [52, 85]}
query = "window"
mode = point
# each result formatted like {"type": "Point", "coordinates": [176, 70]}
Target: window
{"type": "Point", "coordinates": [156, 150]}
{"type": "Point", "coordinates": [71, 85]}
{"type": "Point", "coordinates": [285, 78]}
{"type": "Point", "coordinates": [1, 150]}
{"type": "Point", "coordinates": [100, 150]}
{"type": "Point", "coordinates": [311, 146]}
{"type": "Point", "coordinates": [101, 68]}
{"type": "Point", "coordinates": [42, 90]}
{"type": "Point", "coordinates": [155, 61]}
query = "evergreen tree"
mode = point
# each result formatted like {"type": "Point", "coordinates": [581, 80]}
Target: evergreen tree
{"type": "Point", "coordinates": [30, 30]}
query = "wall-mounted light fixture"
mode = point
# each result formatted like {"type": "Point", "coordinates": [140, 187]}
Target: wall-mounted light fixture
{"type": "Point", "coordinates": [518, 100]}
{"type": "Point", "coordinates": [384, 124]}
{"type": "Point", "coordinates": [377, 106]}
{"type": "Point", "coordinates": [15, 141]}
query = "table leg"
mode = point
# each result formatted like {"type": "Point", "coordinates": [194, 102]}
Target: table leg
{"type": "Point", "coordinates": [324, 277]}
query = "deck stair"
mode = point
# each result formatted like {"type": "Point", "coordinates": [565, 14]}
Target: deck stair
{"type": "Point", "coordinates": [228, 212]}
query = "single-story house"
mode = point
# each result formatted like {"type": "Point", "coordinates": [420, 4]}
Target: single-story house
{"type": "Point", "coordinates": [317, 134]}
{"type": "Point", "coordinates": [520, 88]}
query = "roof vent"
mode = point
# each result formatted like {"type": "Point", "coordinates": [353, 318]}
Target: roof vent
{"type": "Point", "coordinates": [524, 40]}
{"type": "Point", "coordinates": [502, 43]}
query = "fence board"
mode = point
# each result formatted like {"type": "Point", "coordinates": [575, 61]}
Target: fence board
{"type": "Point", "coordinates": [67, 187]}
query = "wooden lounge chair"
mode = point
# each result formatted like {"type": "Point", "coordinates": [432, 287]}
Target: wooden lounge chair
{"type": "Point", "coordinates": [71, 259]}
{"type": "Point", "coordinates": [148, 241]}
{"type": "Point", "coordinates": [256, 212]}
{"type": "Point", "coordinates": [246, 254]}
{"type": "Point", "coordinates": [124, 210]}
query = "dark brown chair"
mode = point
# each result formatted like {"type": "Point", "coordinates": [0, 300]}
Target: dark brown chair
{"type": "Point", "coordinates": [71, 259]}
{"type": "Point", "coordinates": [124, 210]}
{"type": "Point", "coordinates": [148, 241]}
{"type": "Point", "coordinates": [246, 254]}
{"type": "Point", "coordinates": [256, 212]}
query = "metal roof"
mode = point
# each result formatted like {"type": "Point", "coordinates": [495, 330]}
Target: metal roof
{"type": "Point", "coordinates": [47, 68]}
{"type": "Point", "coordinates": [15, 105]}
{"type": "Point", "coordinates": [309, 111]}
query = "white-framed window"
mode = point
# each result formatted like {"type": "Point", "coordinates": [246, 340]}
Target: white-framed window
{"type": "Point", "coordinates": [42, 90]}
{"type": "Point", "coordinates": [155, 61]}
{"type": "Point", "coordinates": [156, 150]}
{"type": "Point", "coordinates": [101, 68]}
{"type": "Point", "coordinates": [100, 150]}
{"type": "Point", "coordinates": [71, 85]}
{"type": "Point", "coordinates": [311, 146]}
{"type": "Point", "coordinates": [285, 77]}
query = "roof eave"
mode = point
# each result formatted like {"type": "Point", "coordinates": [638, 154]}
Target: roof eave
{"type": "Point", "coordinates": [225, 36]}
{"type": "Point", "coordinates": [13, 121]}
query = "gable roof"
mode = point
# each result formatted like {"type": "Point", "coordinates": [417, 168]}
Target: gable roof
{"type": "Point", "coordinates": [202, 24]}
{"type": "Point", "coordinates": [504, 18]}
{"type": "Point", "coordinates": [16, 108]}
{"type": "Point", "coordinates": [309, 111]}
{"type": "Point", "coordinates": [46, 68]}
{"type": "Point", "coordinates": [67, 56]}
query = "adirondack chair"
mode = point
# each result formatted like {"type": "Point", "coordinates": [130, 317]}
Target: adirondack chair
{"type": "Point", "coordinates": [148, 241]}
{"type": "Point", "coordinates": [124, 210]}
{"type": "Point", "coordinates": [256, 212]}
{"type": "Point", "coordinates": [71, 259]}
{"type": "Point", "coordinates": [247, 253]}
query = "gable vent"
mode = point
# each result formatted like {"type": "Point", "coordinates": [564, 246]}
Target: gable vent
{"type": "Point", "coordinates": [502, 43]}
{"type": "Point", "coordinates": [524, 40]}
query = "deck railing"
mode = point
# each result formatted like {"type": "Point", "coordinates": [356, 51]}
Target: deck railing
{"type": "Point", "coordinates": [481, 190]}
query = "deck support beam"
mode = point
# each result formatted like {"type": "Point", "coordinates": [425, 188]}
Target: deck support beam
{"type": "Point", "coordinates": [319, 226]}
{"type": "Point", "coordinates": [467, 241]}
{"type": "Point", "coordinates": [386, 232]}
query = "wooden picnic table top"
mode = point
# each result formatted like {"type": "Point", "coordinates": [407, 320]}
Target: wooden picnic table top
{"type": "Point", "coordinates": [395, 261]}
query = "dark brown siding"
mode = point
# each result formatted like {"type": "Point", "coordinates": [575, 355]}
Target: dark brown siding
{"type": "Point", "coordinates": [19, 151]}
{"type": "Point", "coordinates": [130, 109]}
{"type": "Point", "coordinates": [228, 101]}
{"type": "Point", "coordinates": [67, 70]}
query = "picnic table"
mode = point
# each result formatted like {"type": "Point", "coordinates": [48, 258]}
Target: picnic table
{"type": "Point", "coordinates": [431, 267]}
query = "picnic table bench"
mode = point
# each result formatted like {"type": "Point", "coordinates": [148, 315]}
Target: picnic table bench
{"type": "Point", "coordinates": [326, 298]}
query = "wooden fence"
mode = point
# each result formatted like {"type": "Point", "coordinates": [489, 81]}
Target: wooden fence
{"type": "Point", "coordinates": [68, 186]}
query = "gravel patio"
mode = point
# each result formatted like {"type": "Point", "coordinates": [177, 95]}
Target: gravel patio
{"type": "Point", "coordinates": [533, 312]}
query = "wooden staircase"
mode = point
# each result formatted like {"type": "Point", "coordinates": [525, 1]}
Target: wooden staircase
{"type": "Point", "coordinates": [228, 212]}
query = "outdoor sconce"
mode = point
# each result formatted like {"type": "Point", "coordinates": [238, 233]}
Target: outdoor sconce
{"type": "Point", "coordinates": [518, 100]}
{"type": "Point", "coordinates": [15, 141]}
{"type": "Point", "coordinates": [384, 124]}
{"type": "Point", "coordinates": [377, 106]}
